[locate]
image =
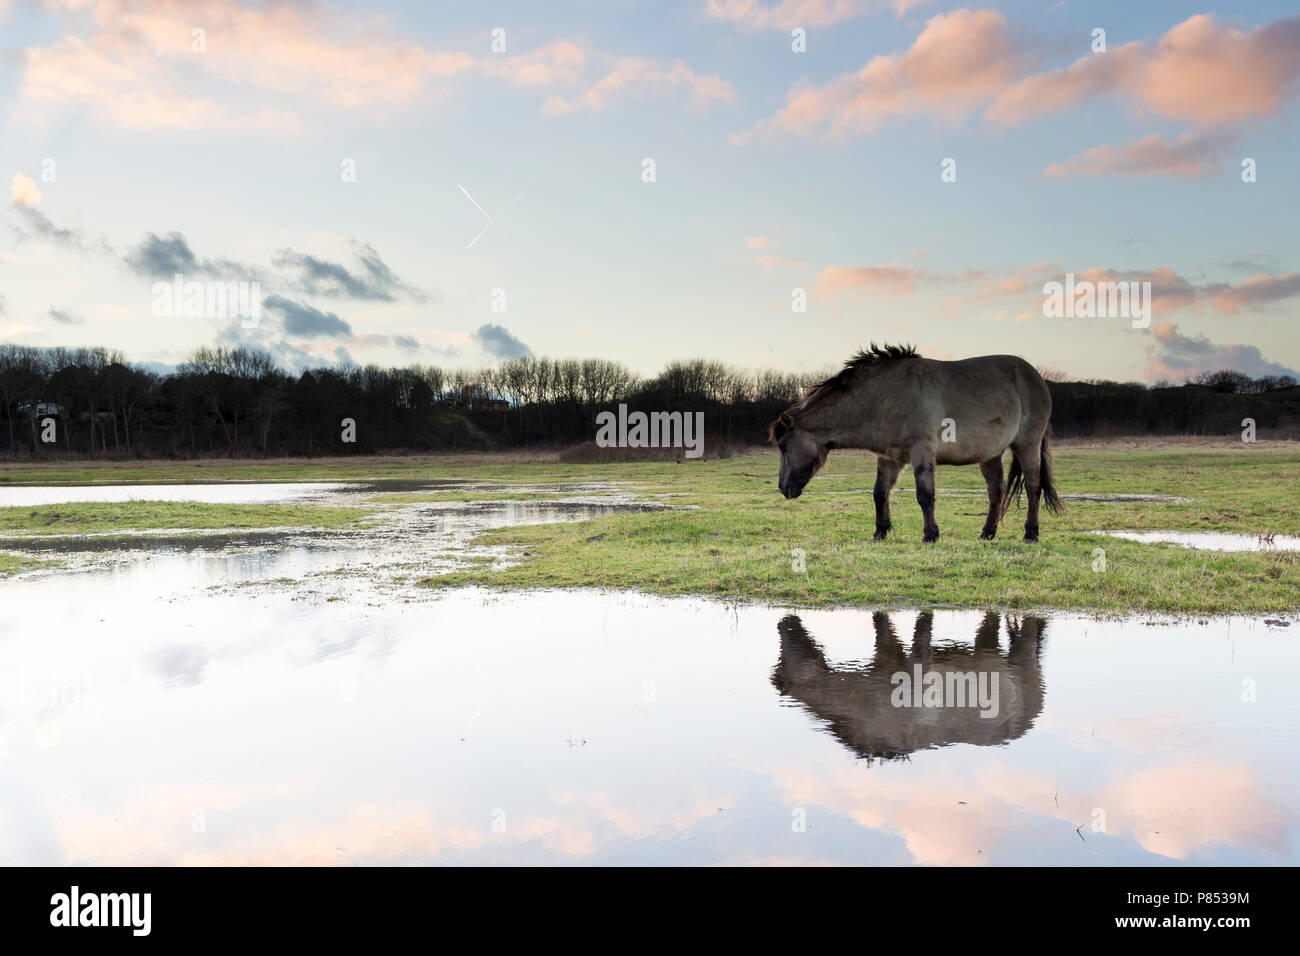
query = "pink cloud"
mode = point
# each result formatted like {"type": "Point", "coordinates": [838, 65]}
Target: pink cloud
{"type": "Point", "coordinates": [633, 75]}
{"type": "Point", "coordinates": [135, 65]}
{"type": "Point", "coordinates": [959, 60]}
{"type": "Point", "coordinates": [788, 14]}
{"type": "Point", "coordinates": [1200, 71]}
{"type": "Point", "coordinates": [1189, 155]}
{"type": "Point", "coordinates": [1176, 357]}
{"type": "Point", "coordinates": [870, 280]}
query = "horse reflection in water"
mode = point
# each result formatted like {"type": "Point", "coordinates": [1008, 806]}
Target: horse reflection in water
{"type": "Point", "coordinates": [871, 709]}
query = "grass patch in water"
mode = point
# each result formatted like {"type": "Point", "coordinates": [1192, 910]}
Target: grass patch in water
{"type": "Point", "coordinates": [97, 517]}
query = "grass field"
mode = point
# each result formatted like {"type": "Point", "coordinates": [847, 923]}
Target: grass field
{"type": "Point", "coordinates": [736, 541]}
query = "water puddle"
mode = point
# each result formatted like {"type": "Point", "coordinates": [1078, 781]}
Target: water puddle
{"type": "Point", "coordinates": [226, 493]}
{"type": "Point", "coordinates": [273, 492]}
{"type": "Point", "coordinates": [1211, 540]}
{"type": "Point", "coordinates": [293, 697]}
{"type": "Point", "coordinates": [151, 715]}
{"type": "Point", "coordinates": [406, 542]}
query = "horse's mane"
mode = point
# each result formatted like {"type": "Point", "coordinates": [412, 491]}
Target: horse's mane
{"type": "Point", "coordinates": [875, 357]}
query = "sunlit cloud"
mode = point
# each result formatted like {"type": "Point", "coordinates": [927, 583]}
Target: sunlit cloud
{"type": "Point", "coordinates": [1200, 71]}
{"type": "Point", "coordinates": [1189, 155]}
{"type": "Point", "coordinates": [23, 191]}
{"type": "Point", "coordinates": [637, 76]}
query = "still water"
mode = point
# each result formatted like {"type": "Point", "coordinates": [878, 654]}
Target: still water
{"type": "Point", "coordinates": [297, 701]}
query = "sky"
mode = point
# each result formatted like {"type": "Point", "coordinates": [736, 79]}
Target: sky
{"type": "Point", "coordinates": [459, 184]}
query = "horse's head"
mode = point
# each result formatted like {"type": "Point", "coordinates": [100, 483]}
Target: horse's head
{"type": "Point", "coordinates": [801, 454]}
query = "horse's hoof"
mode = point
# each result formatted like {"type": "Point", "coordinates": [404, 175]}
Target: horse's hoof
{"type": "Point", "coordinates": [879, 536]}
{"type": "Point", "coordinates": [930, 537]}
{"type": "Point", "coordinates": [987, 535]}
{"type": "Point", "coordinates": [1031, 538]}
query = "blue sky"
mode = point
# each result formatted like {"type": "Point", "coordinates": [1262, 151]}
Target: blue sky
{"type": "Point", "coordinates": [774, 171]}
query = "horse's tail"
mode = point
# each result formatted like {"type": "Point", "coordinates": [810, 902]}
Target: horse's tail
{"type": "Point", "coordinates": [1016, 480]}
{"type": "Point", "coordinates": [1050, 496]}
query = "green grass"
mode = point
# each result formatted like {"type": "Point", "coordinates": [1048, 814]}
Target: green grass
{"type": "Point", "coordinates": [737, 545]}
{"type": "Point", "coordinates": [97, 517]}
{"type": "Point", "coordinates": [13, 563]}
{"type": "Point", "coordinates": [736, 542]}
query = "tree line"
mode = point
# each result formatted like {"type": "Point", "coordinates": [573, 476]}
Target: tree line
{"type": "Point", "coordinates": [239, 402]}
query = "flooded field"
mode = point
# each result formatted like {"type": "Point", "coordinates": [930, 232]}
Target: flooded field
{"type": "Point", "coordinates": [1212, 540]}
{"type": "Point", "coordinates": [295, 698]}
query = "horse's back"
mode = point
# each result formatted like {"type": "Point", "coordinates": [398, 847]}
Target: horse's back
{"type": "Point", "coordinates": [993, 401]}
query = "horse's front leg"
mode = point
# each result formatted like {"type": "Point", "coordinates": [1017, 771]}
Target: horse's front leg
{"type": "Point", "coordinates": [887, 472]}
{"type": "Point", "coordinates": [992, 472]}
{"type": "Point", "coordinates": [923, 471]}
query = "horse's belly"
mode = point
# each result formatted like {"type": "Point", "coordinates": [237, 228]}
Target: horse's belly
{"type": "Point", "coordinates": [975, 443]}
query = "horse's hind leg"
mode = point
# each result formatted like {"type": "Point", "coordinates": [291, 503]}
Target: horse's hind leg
{"type": "Point", "coordinates": [886, 477]}
{"type": "Point", "coordinates": [923, 472]}
{"type": "Point", "coordinates": [1030, 460]}
{"type": "Point", "coordinates": [992, 472]}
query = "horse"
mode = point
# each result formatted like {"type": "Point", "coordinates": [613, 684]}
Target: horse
{"type": "Point", "coordinates": [871, 708]}
{"type": "Point", "coordinates": [922, 412]}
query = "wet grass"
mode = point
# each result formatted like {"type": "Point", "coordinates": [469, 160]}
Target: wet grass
{"type": "Point", "coordinates": [99, 517]}
{"type": "Point", "coordinates": [14, 563]}
{"type": "Point", "coordinates": [736, 543]}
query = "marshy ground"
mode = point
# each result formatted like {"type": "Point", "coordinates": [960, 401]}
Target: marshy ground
{"type": "Point", "coordinates": [727, 534]}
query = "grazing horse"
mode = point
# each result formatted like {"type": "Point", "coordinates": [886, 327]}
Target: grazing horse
{"type": "Point", "coordinates": [922, 412]}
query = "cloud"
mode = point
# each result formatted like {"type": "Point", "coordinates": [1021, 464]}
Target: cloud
{"type": "Point", "coordinates": [871, 280]}
{"type": "Point", "coordinates": [34, 223]}
{"type": "Point", "coordinates": [788, 14]}
{"type": "Point", "coordinates": [23, 191]}
{"type": "Point", "coordinates": [1190, 155]}
{"type": "Point", "coordinates": [4, 305]}
{"type": "Point", "coordinates": [375, 282]}
{"type": "Point", "coordinates": [157, 256]}
{"type": "Point", "coordinates": [1200, 71]}
{"type": "Point", "coordinates": [407, 343]}
{"type": "Point", "coordinates": [65, 317]}
{"type": "Point", "coordinates": [959, 61]}
{"type": "Point", "coordinates": [304, 320]}
{"type": "Point", "coordinates": [771, 260]}
{"type": "Point", "coordinates": [635, 75]}
{"type": "Point", "coordinates": [1258, 290]}
{"type": "Point", "coordinates": [161, 257]}
{"type": "Point", "coordinates": [136, 67]}
{"type": "Point", "coordinates": [1022, 287]}
{"type": "Point", "coordinates": [1172, 355]}
{"type": "Point", "coordinates": [1170, 290]}
{"type": "Point", "coordinates": [497, 341]}
{"type": "Point", "coordinates": [559, 63]}
{"type": "Point", "coordinates": [132, 64]}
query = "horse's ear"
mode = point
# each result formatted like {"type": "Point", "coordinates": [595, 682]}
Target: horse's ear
{"type": "Point", "coordinates": [779, 428]}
